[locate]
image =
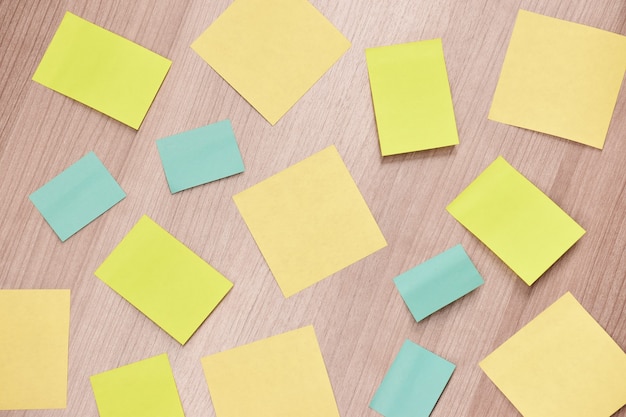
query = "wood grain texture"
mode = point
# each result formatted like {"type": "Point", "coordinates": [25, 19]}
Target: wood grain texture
{"type": "Point", "coordinates": [358, 315]}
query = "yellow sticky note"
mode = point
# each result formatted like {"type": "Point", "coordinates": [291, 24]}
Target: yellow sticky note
{"type": "Point", "coordinates": [164, 279]}
{"type": "Point", "coordinates": [560, 78]}
{"type": "Point", "coordinates": [102, 70]}
{"type": "Point", "coordinates": [411, 97]}
{"type": "Point", "coordinates": [310, 221]}
{"type": "Point", "coordinates": [34, 333]}
{"type": "Point", "coordinates": [517, 221]}
{"type": "Point", "coordinates": [283, 375]}
{"type": "Point", "coordinates": [561, 364]}
{"type": "Point", "coordinates": [271, 51]}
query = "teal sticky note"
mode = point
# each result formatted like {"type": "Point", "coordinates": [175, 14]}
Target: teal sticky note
{"type": "Point", "coordinates": [200, 156]}
{"type": "Point", "coordinates": [413, 383]}
{"type": "Point", "coordinates": [77, 196]}
{"type": "Point", "coordinates": [437, 282]}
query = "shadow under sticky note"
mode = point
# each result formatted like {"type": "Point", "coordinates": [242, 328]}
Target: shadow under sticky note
{"type": "Point", "coordinates": [517, 221]}
{"type": "Point", "coordinates": [560, 78]}
{"type": "Point", "coordinates": [102, 70]}
{"type": "Point", "coordinates": [413, 383]}
{"type": "Point", "coordinates": [283, 375]}
{"type": "Point", "coordinates": [271, 51]}
{"type": "Point", "coordinates": [141, 389]}
{"type": "Point", "coordinates": [200, 156]}
{"type": "Point", "coordinates": [411, 96]}
{"type": "Point", "coordinates": [437, 282]}
{"type": "Point", "coordinates": [310, 221]}
{"type": "Point", "coordinates": [77, 196]}
{"type": "Point", "coordinates": [34, 333]}
{"type": "Point", "coordinates": [164, 279]}
{"type": "Point", "coordinates": [561, 364]}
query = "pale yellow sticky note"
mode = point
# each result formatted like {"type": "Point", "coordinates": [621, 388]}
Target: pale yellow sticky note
{"type": "Point", "coordinates": [517, 221]}
{"type": "Point", "coordinates": [271, 51]}
{"type": "Point", "coordinates": [411, 97]}
{"type": "Point", "coordinates": [310, 221]}
{"type": "Point", "coordinates": [102, 70]}
{"type": "Point", "coordinates": [164, 279]}
{"type": "Point", "coordinates": [283, 375]}
{"type": "Point", "coordinates": [560, 78]}
{"type": "Point", "coordinates": [561, 364]}
{"type": "Point", "coordinates": [34, 333]}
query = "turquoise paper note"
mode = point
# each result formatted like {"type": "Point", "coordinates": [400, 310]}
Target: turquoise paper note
{"type": "Point", "coordinates": [437, 282]}
{"type": "Point", "coordinates": [200, 156]}
{"type": "Point", "coordinates": [413, 384]}
{"type": "Point", "coordinates": [77, 196]}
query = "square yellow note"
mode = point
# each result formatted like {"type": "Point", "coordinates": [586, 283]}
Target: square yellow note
{"type": "Point", "coordinates": [560, 78]}
{"type": "Point", "coordinates": [283, 375]}
{"type": "Point", "coordinates": [164, 279]}
{"type": "Point", "coordinates": [518, 222]}
{"type": "Point", "coordinates": [271, 51]}
{"type": "Point", "coordinates": [34, 333]}
{"type": "Point", "coordinates": [411, 96]}
{"type": "Point", "coordinates": [561, 364]}
{"type": "Point", "coordinates": [102, 70]}
{"type": "Point", "coordinates": [310, 221]}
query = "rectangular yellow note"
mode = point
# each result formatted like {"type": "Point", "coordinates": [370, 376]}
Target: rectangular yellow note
{"type": "Point", "coordinates": [283, 375]}
{"type": "Point", "coordinates": [102, 70]}
{"type": "Point", "coordinates": [561, 364]}
{"type": "Point", "coordinates": [411, 96]}
{"type": "Point", "coordinates": [310, 221]}
{"type": "Point", "coordinates": [560, 78]}
{"type": "Point", "coordinates": [34, 333]}
{"type": "Point", "coordinates": [517, 221]}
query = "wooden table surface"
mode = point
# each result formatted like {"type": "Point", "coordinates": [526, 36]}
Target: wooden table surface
{"type": "Point", "coordinates": [358, 315]}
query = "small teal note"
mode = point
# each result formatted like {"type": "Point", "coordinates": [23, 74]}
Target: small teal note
{"type": "Point", "coordinates": [437, 282]}
{"type": "Point", "coordinates": [200, 156]}
{"type": "Point", "coordinates": [77, 196]}
{"type": "Point", "coordinates": [413, 384]}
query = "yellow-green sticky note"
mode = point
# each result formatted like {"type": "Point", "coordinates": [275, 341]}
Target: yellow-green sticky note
{"type": "Point", "coordinates": [560, 78]}
{"type": "Point", "coordinates": [163, 279]}
{"type": "Point", "coordinates": [283, 375]}
{"type": "Point", "coordinates": [102, 70]}
{"type": "Point", "coordinates": [561, 364]}
{"type": "Point", "coordinates": [310, 221]}
{"type": "Point", "coordinates": [517, 221]}
{"type": "Point", "coordinates": [271, 51]}
{"type": "Point", "coordinates": [411, 96]}
{"type": "Point", "coordinates": [34, 334]}
{"type": "Point", "coordinates": [141, 389]}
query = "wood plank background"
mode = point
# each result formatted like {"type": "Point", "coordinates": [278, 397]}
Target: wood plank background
{"type": "Point", "coordinates": [358, 315]}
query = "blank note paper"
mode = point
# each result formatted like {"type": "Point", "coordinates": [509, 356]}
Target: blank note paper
{"type": "Point", "coordinates": [560, 78]}
{"type": "Point", "coordinates": [34, 333]}
{"type": "Point", "coordinates": [164, 279]}
{"type": "Point", "coordinates": [141, 389]}
{"type": "Point", "coordinates": [310, 221]}
{"type": "Point", "coordinates": [200, 156]}
{"type": "Point", "coordinates": [518, 222]}
{"type": "Point", "coordinates": [561, 364]}
{"type": "Point", "coordinates": [77, 196]}
{"type": "Point", "coordinates": [102, 70]}
{"type": "Point", "coordinates": [411, 95]}
{"type": "Point", "coordinates": [437, 282]}
{"type": "Point", "coordinates": [413, 383]}
{"type": "Point", "coordinates": [271, 51]}
{"type": "Point", "coordinates": [283, 375]}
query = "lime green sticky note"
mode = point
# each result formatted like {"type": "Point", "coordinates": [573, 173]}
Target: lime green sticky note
{"type": "Point", "coordinates": [517, 221]}
{"type": "Point", "coordinates": [411, 95]}
{"type": "Point", "coordinates": [164, 279]}
{"type": "Point", "coordinates": [413, 384]}
{"type": "Point", "coordinates": [102, 70]}
{"type": "Point", "coordinates": [141, 389]}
